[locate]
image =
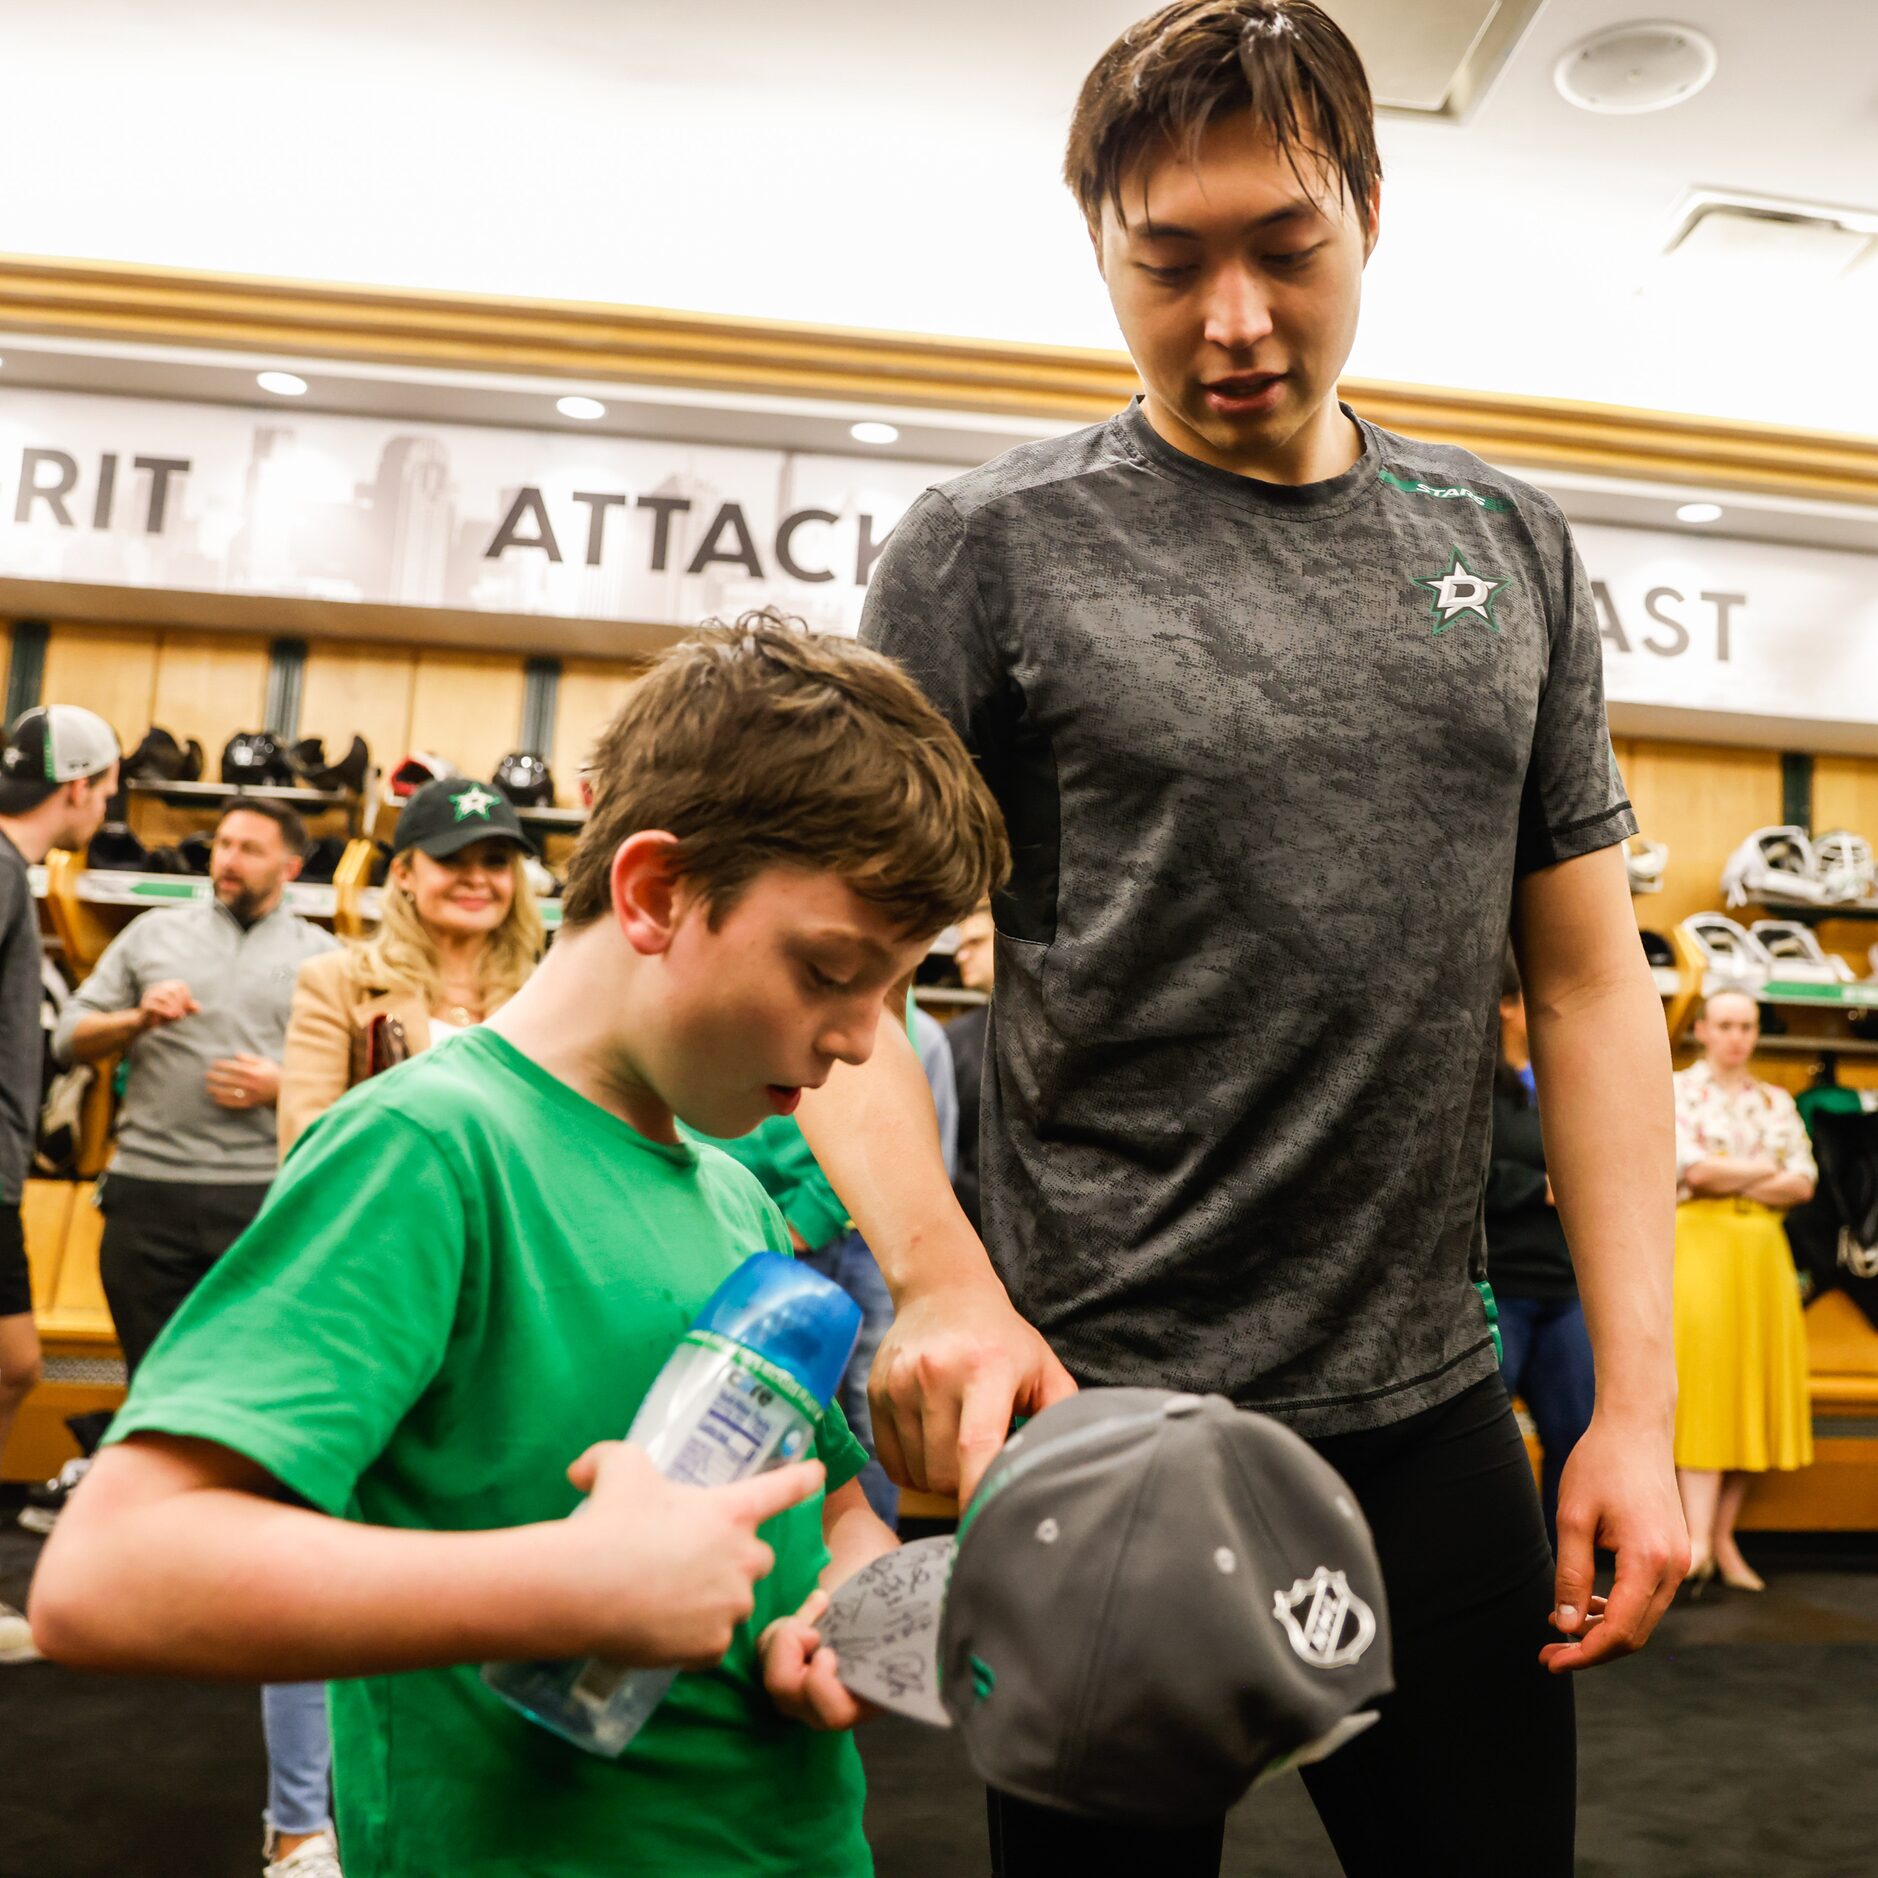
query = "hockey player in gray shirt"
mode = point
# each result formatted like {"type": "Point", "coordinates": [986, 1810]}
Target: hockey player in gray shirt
{"type": "Point", "coordinates": [1289, 717]}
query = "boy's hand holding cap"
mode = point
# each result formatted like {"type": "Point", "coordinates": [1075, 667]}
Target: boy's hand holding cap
{"type": "Point", "coordinates": [1152, 1600]}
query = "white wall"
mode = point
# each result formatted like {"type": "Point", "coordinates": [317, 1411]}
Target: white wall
{"type": "Point", "coordinates": [894, 166]}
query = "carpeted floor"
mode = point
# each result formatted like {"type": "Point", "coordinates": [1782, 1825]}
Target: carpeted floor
{"type": "Point", "coordinates": [1740, 1745]}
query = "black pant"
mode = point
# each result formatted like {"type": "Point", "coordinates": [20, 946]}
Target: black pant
{"type": "Point", "coordinates": [1473, 1767]}
{"type": "Point", "coordinates": [160, 1238]}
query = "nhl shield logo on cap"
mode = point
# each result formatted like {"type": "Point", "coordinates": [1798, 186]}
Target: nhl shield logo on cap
{"type": "Point", "coordinates": [1328, 1624]}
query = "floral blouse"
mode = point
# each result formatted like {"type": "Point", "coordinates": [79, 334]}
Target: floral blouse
{"type": "Point", "coordinates": [1758, 1122]}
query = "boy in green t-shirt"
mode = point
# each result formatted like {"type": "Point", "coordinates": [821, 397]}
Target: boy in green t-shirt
{"type": "Point", "coordinates": [343, 1460]}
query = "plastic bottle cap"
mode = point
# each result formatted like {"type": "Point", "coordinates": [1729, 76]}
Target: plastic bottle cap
{"type": "Point", "coordinates": [790, 1315]}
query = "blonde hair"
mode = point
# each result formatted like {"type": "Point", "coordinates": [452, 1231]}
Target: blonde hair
{"type": "Point", "coordinates": [402, 956]}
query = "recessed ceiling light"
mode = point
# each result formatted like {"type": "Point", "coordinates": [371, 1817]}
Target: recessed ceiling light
{"type": "Point", "coordinates": [281, 384]}
{"type": "Point", "coordinates": [588, 408]}
{"type": "Point", "coordinates": [1699, 512]}
{"type": "Point", "coordinates": [871, 432]}
{"type": "Point", "coordinates": [1647, 65]}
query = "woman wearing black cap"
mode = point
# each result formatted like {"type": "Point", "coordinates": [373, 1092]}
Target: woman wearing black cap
{"type": "Point", "coordinates": [457, 937]}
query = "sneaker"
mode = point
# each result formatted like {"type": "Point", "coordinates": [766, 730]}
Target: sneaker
{"type": "Point", "coordinates": [16, 1640]}
{"type": "Point", "coordinates": [44, 1503]}
{"type": "Point", "coordinates": [317, 1858]}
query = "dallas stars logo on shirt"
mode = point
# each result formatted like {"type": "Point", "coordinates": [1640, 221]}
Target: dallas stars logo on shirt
{"type": "Point", "coordinates": [1460, 594]}
{"type": "Point", "coordinates": [475, 801]}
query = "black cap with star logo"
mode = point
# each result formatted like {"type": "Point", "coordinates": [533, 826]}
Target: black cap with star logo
{"type": "Point", "coordinates": [446, 816]}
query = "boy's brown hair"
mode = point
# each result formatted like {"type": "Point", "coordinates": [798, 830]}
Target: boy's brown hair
{"type": "Point", "coordinates": [1170, 76]}
{"type": "Point", "coordinates": [762, 745]}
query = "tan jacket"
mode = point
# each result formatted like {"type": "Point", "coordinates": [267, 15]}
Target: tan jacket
{"type": "Point", "coordinates": [327, 1036]}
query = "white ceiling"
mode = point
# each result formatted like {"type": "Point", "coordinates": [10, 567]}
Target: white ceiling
{"type": "Point", "coordinates": [894, 165]}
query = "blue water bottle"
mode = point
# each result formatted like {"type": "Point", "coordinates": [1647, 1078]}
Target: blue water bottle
{"type": "Point", "coordinates": [743, 1392]}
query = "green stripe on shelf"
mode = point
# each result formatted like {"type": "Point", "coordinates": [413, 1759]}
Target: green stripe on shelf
{"type": "Point", "coordinates": [1821, 994]}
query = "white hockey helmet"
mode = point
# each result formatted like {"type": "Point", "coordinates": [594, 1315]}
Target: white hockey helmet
{"type": "Point", "coordinates": [1732, 958]}
{"type": "Point", "coordinates": [1846, 871]}
{"type": "Point", "coordinates": [1645, 861]}
{"type": "Point", "coordinates": [1773, 864]}
{"type": "Point", "coordinates": [1798, 956]}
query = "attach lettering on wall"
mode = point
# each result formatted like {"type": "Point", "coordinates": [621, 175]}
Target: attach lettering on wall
{"type": "Point", "coordinates": [213, 498]}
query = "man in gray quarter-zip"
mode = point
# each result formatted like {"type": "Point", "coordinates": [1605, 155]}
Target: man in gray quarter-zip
{"type": "Point", "coordinates": [198, 996]}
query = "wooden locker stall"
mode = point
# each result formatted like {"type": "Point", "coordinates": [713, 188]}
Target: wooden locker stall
{"type": "Point", "coordinates": [108, 669]}
{"type": "Point", "coordinates": [349, 689]}
{"type": "Point", "coordinates": [466, 706]}
{"type": "Point", "coordinates": [591, 693]}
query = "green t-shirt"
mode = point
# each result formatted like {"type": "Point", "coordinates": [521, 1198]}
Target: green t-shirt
{"type": "Point", "coordinates": [777, 1152]}
{"type": "Point", "coordinates": [464, 1276]}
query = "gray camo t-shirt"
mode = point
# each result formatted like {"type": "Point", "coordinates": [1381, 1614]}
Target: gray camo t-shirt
{"type": "Point", "coordinates": [1271, 759]}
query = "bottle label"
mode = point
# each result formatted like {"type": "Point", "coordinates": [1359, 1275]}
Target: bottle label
{"type": "Point", "coordinates": [757, 1414]}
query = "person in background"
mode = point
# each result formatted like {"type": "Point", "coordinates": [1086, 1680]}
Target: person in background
{"type": "Point", "coordinates": [57, 772]}
{"type": "Point", "coordinates": [976, 959]}
{"type": "Point", "coordinates": [198, 997]}
{"type": "Point", "coordinates": [458, 936]}
{"type": "Point", "coordinates": [1742, 1405]}
{"type": "Point", "coordinates": [1546, 1350]}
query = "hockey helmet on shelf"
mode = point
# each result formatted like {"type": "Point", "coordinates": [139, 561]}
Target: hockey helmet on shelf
{"type": "Point", "coordinates": [1733, 959]}
{"type": "Point", "coordinates": [1846, 873]}
{"type": "Point", "coordinates": [1644, 862]}
{"type": "Point", "coordinates": [407, 776]}
{"type": "Point", "coordinates": [1798, 956]}
{"type": "Point", "coordinates": [525, 779]}
{"type": "Point", "coordinates": [1773, 864]}
{"type": "Point", "coordinates": [160, 759]}
{"type": "Point", "coordinates": [253, 759]}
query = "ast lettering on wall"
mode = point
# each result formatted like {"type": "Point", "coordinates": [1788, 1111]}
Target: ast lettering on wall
{"type": "Point", "coordinates": [1673, 624]}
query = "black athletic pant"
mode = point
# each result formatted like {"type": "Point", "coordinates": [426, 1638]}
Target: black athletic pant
{"type": "Point", "coordinates": [1473, 1767]}
{"type": "Point", "coordinates": [160, 1238]}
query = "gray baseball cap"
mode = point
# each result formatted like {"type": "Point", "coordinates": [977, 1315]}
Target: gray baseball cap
{"type": "Point", "coordinates": [1152, 1601]}
{"type": "Point", "coordinates": [48, 746]}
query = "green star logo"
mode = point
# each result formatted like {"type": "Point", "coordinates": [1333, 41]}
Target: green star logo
{"type": "Point", "coordinates": [474, 802]}
{"type": "Point", "coordinates": [1459, 593]}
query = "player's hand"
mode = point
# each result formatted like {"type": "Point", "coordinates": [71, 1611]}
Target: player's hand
{"type": "Point", "coordinates": [660, 1574]}
{"type": "Point", "coordinates": [167, 1003]}
{"type": "Point", "coordinates": [243, 1082]}
{"type": "Point", "coordinates": [800, 1672]}
{"type": "Point", "coordinates": [956, 1365]}
{"type": "Point", "coordinates": [1618, 1491]}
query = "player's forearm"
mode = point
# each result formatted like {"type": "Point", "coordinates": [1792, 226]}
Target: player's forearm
{"type": "Point", "coordinates": [224, 1583]}
{"type": "Point", "coordinates": [1606, 1108]}
{"type": "Point", "coordinates": [104, 1033]}
{"type": "Point", "coordinates": [873, 1130]}
{"type": "Point", "coordinates": [854, 1534]}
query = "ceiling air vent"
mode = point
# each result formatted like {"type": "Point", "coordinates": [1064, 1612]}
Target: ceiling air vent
{"type": "Point", "coordinates": [1810, 245]}
{"type": "Point", "coordinates": [1435, 59]}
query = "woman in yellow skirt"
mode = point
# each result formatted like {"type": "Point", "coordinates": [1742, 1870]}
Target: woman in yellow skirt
{"type": "Point", "coordinates": [1742, 1407]}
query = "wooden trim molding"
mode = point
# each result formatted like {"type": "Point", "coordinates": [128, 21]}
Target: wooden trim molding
{"type": "Point", "coordinates": [640, 345]}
